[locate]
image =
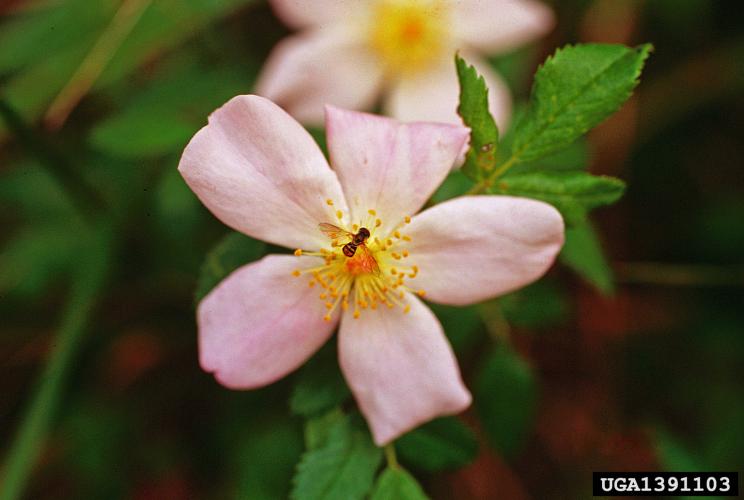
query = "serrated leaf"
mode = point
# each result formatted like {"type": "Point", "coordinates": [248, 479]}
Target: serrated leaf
{"type": "Point", "coordinates": [583, 253]}
{"type": "Point", "coordinates": [506, 399]}
{"type": "Point", "coordinates": [397, 484]}
{"type": "Point", "coordinates": [444, 443]}
{"type": "Point", "coordinates": [574, 90]}
{"type": "Point", "coordinates": [572, 193]}
{"type": "Point", "coordinates": [233, 251]}
{"type": "Point", "coordinates": [473, 108]}
{"type": "Point", "coordinates": [342, 468]}
{"type": "Point", "coordinates": [320, 385]}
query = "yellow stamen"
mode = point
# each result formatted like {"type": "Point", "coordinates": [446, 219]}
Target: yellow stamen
{"type": "Point", "coordinates": [298, 252]}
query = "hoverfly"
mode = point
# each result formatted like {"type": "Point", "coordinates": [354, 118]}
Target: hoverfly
{"type": "Point", "coordinates": [356, 242]}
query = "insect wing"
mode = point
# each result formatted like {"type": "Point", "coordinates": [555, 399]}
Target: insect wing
{"type": "Point", "coordinates": [334, 232]}
{"type": "Point", "coordinates": [368, 262]}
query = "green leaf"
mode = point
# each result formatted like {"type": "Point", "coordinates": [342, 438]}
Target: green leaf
{"type": "Point", "coordinates": [318, 429]}
{"type": "Point", "coordinates": [540, 305]}
{"type": "Point", "coordinates": [164, 116]}
{"type": "Point", "coordinates": [473, 108]}
{"type": "Point", "coordinates": [583, 253]}
{"type": "Point", "coordinates": [343, 467]}
{"type": "Point", "coordinates": [506, 395]}
{"type": "Point", "coordinates": [456, 184]}
{"type": "Point", "coordinates": [444, 443]}
{"type": "Point", "coordinates": [462, 325]}
{"type": "Point", "coordinates": [265, 456]}
{"type": "Point", "coordinates": [397, 484]}
{"type": "Point", "coordinates": [32, 259]}
{"type": "Point", "coordinates": [572, 193]}
{"type": "Point", "coordinates": [233, 251]}
{"type": "Point", "coordinates": [320, 385]}
{"type": "Point", "coordinates": [674, 455]}
{"type": "Point", "coordinates": [41, 76]}
{"type": "Point", "coordinates": [574, 90]}
{"type": "Point", "coordinates": [574, 157]}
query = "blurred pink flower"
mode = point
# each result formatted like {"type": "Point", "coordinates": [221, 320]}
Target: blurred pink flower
{"type": "Point", "coordinates": [262, 174]}
{"type": "Point", "coordinates": [349, 52]}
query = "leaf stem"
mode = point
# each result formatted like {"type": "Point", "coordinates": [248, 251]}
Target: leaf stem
{"type": "Point", "coordinates": [37, 420]}
{"type": "Point", "coordinates": [391, 457]}
{"type": "Point", "coordinates": [485, 184]}
{"type": "Point", "coordinates": [496, 324]}
{"type": "Point", "coordinates": [95, 61]}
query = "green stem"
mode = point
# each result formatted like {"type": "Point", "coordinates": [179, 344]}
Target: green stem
{"type": "Point", "coordinates": [96, 61]}
{"type": "Point", "coordinates": [485, 184]}
{"type": "Point", "coordinates": [30, 437]}
{"type": "Point", "coordinates": [390, 456]}
{"type": "Point", "coordinates": [496, 324]}
{"type": "Point", "coordinates": [666, 274]}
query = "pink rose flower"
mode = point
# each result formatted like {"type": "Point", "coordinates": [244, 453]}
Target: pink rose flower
{"type": "Point", "coordinates": [261, 173]}
{"type": "Point", "coordinates": [349, 52]}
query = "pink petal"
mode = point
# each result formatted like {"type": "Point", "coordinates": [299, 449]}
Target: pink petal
{"type": "Point", "coordinates": [498, 26]}
{"type": "Point", "coordinates": [301, 13]}
{"type": "Point", "coordinates": [473, 248]}
{"type": "Point", "coordinates": [400, 368]}
{"type": "Point", "coordinates": [309, 70]}
{"type": "Point", "coordinates": [261, 322]}
{"type": "Point", "coordinates": [387, 166]}
{"type": "Point", "coordinates": [434, 96]}
{"type": "Point", "coordinates": [261, 173]}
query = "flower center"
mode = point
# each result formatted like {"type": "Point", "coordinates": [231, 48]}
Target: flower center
{"type": "Point", "coordinates": [409, 35]}
{"type": "Point", "coordinates": [362, 268]}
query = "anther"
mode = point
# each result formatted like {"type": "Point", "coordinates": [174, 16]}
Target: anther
{"type": "Point", "coordinates": [328, 305]}
{"type": "Point", "coordinates": [378, 223]}
{"type": "Point", "coordinates": [298, 252]}
{"type": "Point", "coordinates": [371, 212]}
{"type": "Point", "coordinates": [405, 253]}
{"type": "Point", "coordinates": [421, 293]}
{"type": "Point", "coordinates": [406, 238]}
{"type": "Point", "coordinates": [339, 214]}
{"type": "Point", "coordinates": [397, 234]}
{"type": "Point", "coordinates": [296, 272]}
{"type": "Point", "coordinates": [407, 309]}
{"type": "Point", "coordinates": [407, 219]}
{"type": "Point", "coordinates": [330, 202]}
{"type": "Point", "coordinates": [356, 314]}
{"type": "Point", "coordinates": [327, 317]}
{"type": "Point", "coordinates": [355, 227]}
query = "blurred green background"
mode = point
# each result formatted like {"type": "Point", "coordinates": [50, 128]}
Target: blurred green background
{"type": "Point", "coordinates": [634, 363]}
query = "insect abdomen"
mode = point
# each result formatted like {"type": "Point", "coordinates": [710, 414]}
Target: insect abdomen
{"type": "Point", "coordinates": [349, 249]}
